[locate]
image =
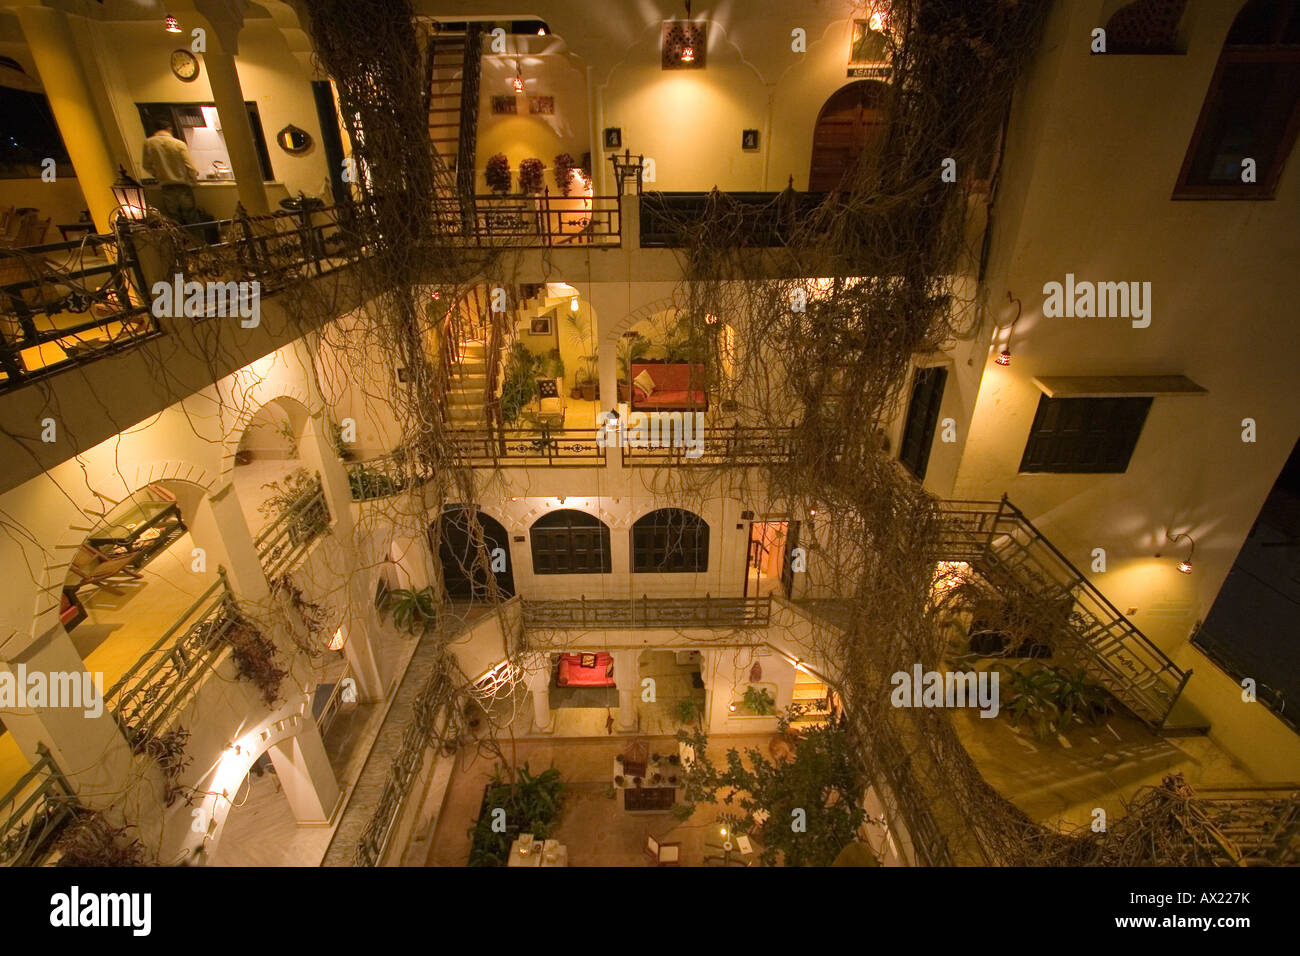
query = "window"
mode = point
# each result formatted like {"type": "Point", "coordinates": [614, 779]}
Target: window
{"type": "Point", "coordinates": [30, 136]}
{"type": "Point", "coordinates": [922, 416]}
{"type": "Point", "coordinates": [570, 542]}
{"type": "Point", "coordinates": [670, 540]}
{"type": "Point", "coordinates": [1251, 110]}
{"type": "Point", "coordinates": [1145, 26]}
{"type": "Point", "coordinates": [200, 127]}
{"type": "Point", "coordinates": [1084, 435]}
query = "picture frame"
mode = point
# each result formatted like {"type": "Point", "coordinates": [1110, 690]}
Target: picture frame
{"type": "Point", "coordinates": [540, 325]}
{"type": "Point", "coordinates": [613, 137]}
{"type": "Point", "coordinates": [749, 139]}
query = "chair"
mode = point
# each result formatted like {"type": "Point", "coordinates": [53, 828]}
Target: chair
{"type": "Point", "coordinates": [95, 568]}
{"type": "Point", "coordinates": [550, 402]}
{"type": "Point", "coordinates": [664, 854]}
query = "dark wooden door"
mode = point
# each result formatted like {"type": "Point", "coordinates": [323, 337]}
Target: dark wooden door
{"type": "Point", "coordinates": [853, 120]}
{"type": "Point", "coordinates": [463, 574]}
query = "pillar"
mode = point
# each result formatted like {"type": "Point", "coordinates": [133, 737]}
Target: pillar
{"type": "Point", "coordinates": [320, 456]}
{"type": "Point", "coordinates": [219, 528]}
{"type": "Point", "coordinates": [539, 684]}
{"type": "Point", "coordinates": [627, 679]}
{"type": "Point", "coordinates": [304, 771]}
{"type": "Point", "coordinates": [49, 37]}
{"type": "Point", "coordinates": [223, 79]}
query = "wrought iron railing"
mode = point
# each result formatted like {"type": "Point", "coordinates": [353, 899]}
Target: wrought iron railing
{"type": "Point", "coordinates": [1015, 558]}
{"type": "Point", "coordinates": [715, 445]}
{"type": "Point", "coordinates": [1241, 826]}
{"type": "Point", "coordinates": [432, 712]}
{"type": "Point", "coordinates": [146, 698]}
{"type": "Point", "coordinates": [286, 539]}
{"type": "Point", "coordinates": [67, 302]}
{"type": "Point", "coordinates": [528, 221]}
{"type": "Point", "coordinates": [522, 447]}
{"type": "Point", "coordinates": [383, 477]}
{"type": "Point", "coordinates": [1232, 662]}
{"type": "Point", "coordinates": [581, 613]}
{"type": "Point", "coordinates": [34, 811]}
{"type": "Point", "coordinates": [762, 220]}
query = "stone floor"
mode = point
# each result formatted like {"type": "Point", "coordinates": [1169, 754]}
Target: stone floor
{"type": "Point", "coordinates": [593, 824]}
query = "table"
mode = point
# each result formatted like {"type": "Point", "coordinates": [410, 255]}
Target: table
{"type": "Point", "coordinates": [733, 850]}
{"type": "Point", "coordinates": [653, 796]}
{"type": "Point", "coordinates": [541, 853]}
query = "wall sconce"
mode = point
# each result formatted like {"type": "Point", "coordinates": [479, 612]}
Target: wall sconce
{"type": "Point", "coordinates": [172, 25]}
{"type": "Point", "coordinates": [688, 54]}
{"type": "Point", "coordinates": [1004, 357]}
{"type": "Point", "coordinates": [573, 304]}
{"type": "Point", "coordinates": [1184, 566]}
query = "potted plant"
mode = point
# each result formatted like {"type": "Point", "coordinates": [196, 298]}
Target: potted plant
{"type": "Point", "coordinates": [497, 174]}
{"type": "Point", "coordinates": [563, 173]}
{"type": "Point", "coordinates": [531, 176]}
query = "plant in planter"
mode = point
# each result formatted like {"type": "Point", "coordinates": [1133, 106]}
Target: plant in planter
{"type": "Point", "coordinates": [531, 176]}
{"type": "Point", "coordinates": [563, 173]}
{"type": "Point", "coordinates": [497, 174]}
{"type": "Point", "coordinates": [519, 381]}
{"type": "Point", "coordinates": [90, 840]}
{"type": "Point", "coordinates": [620, 780]}
{"type": "Point", "coordinates": [687, 710]}
{"type": "Point", "coordinates": [583, 336]}
{"type": "Point", "coordinates": [532, 805]}
{"type": "Point", "coordinates": [254, 656]}
{"type": "Point", "coordinates": [414, 611]}
{"type": "Point", "coordinates": [1052, 699]}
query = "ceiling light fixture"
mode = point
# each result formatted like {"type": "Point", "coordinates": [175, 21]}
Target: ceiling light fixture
{"type": "Point", "coordinates": [688, 54]}
{"type": "Point", "coordinates": [172, 25]}
{"type": "Point", "coordinates": [1004, 357]}
{"type": "Point", "coordinates": [518, 81]}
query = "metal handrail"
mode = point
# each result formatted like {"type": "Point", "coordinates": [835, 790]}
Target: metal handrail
{"type": "Point", "coordinates": [281, 543]}
{"type": "Point", "coordinates": [645, 611]}
{"type": "Point", "coordinates": [28, 832]}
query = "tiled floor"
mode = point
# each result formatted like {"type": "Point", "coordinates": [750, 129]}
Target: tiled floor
{"type": "Point", "coordinates": [593, 824]}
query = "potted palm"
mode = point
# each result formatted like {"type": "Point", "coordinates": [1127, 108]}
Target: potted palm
{"type": "Point", "coordinates": [497, 174]}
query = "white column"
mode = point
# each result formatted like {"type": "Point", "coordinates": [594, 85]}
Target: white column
{"type": "Point", "coordinates": [627, 680]}
{"type": "Point", "coordinates": [304, 771]}
{"type": "Point", "coordinates": [539, 685]}
{"type": "Point", "coordinates": [219, 528]}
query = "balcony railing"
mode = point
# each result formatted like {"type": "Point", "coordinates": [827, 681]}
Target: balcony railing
{"type": "Point", "coordinates": [540, 446]}
{"type": "Point", "coordinates": [761, 220]}
{"type": "Point", "coordinates": [381, 477]}
{"type": "Point", "coordinates": [581, 613]}
{"type": "Point", "coordinates": [528, 221]}
{"type": "Point", "coordinates": [33, 813]}
{"type": "Point", "coordinates": [719, 445]}
{"type": "Point", "coordinates": [68, 302]}
{"type": "Point", "coordinates": [146, 698]}
{"type": "Point", "coordinates": [286, 539]}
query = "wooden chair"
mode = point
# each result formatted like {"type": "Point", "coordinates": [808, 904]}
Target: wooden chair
{"type": "Point", "coordinates": [664, 854]}
{"type": "Point", "coordinates": [96, 569]}
{"type": "Point", "coordinates": [550, 402]}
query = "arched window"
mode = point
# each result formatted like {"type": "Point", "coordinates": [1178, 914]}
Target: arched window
{"type": "Point", "coordinates": [1145, 26]}
{"type": "Point", "coordinates": [570, 542]}
{"type": "Point", "coordinates": [668, 541]}
{"type": "Point", "coordinates": [1252, 109]}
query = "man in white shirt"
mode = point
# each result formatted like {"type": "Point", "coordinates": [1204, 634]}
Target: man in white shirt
{"type": "Point", "coordinates": [167, 159]}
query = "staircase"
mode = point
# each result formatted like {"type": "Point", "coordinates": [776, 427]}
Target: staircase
{"type": "Point", "coordinates": [453, 70]}
{"type": "Point", "coordinates": [1012, 556]}
{"type": "Point", "coordinates": [814, 698]}
{"type": "Point", "coordinates": [467, 392]}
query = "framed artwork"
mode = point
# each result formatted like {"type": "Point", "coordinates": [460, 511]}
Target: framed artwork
{"type": "Point", "coordinates": [541, 325]}
{"type": "Point", "coordinates": [613, 137]}
{"type": "Point", "coordinates": [504, 104]}
{"type": "Point", "coordinates": [541, 104]}
{"type": "Point", "coordinates": [749, 139]}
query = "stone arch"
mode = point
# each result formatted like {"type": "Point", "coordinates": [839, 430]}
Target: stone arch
{"type": "Point", "coordinates": [290, 396]}
{"type": "Point", "coordinates": [105, 494]}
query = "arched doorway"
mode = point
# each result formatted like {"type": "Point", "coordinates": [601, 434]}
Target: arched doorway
{"type": "Point", "coordinates": [854, 119]}
{"type": "Point", "coordinates": [462, 574]}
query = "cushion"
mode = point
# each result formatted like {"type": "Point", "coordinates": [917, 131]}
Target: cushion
{"type": "Point", "coordinates": [644, 382]}
{"type": "Point", "coordinates": [669, 854]}
{"type": "Point", "coordinates": [546, 388]}
{"type": "Point", "coordinates": [588, 660]}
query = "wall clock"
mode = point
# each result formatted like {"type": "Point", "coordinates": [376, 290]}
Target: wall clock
{"type": "Point", "coordinates": [185, 65]}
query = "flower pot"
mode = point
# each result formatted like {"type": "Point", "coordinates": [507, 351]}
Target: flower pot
{"type": "Point", "coordinates": [588, 392]}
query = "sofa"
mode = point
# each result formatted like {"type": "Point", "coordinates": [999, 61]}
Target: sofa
{"type": "Point", "coordinates": [677, 387]}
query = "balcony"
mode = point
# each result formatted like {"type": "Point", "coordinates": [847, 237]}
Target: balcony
{"type": "Point", "coordinates": [757, 220]}
{"type": "Point", "coordinates": [671, 613]}
{"type": "Point", "coordinates": [33, 813]}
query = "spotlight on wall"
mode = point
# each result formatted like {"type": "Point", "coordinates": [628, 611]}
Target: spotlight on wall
{"type": "Point", "coordinates": [172, 25]}
{"type": "Point", "coordinates": [1185, 566]}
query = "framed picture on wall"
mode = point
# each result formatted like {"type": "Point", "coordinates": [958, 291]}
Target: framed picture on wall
{"type": "Point", "coordinates": [613, 137]}
{"type": "Point", "coordinates": [541, 325]}
{"type": "Point", "coordinates": [504, 104]}
{"type": "Point", "coordinates": [749, 139]}
{"type": "Point", "coordinates": [541, 104]}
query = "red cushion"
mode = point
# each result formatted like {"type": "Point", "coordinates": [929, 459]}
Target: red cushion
{"type": "Point", "coordinates": [673, 383]}
{"type": "Point", "coordinates": [572, 673]}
